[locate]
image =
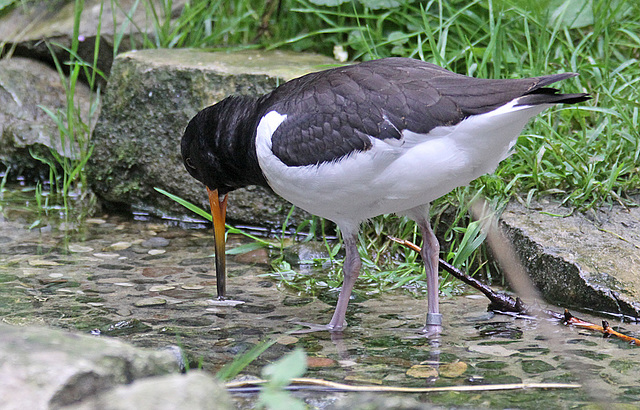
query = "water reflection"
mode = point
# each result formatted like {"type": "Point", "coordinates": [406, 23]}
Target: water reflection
{"type": "Point", "coordinates": [151, 283]}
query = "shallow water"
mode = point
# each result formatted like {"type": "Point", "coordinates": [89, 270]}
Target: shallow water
{"type": "Point", "coordinates": [152, 284]}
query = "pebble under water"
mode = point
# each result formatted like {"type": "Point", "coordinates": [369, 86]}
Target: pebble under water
{"type": "Point", "coordinates": [153, 284]}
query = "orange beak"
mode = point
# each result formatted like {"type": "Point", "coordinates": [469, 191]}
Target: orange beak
{"type": "Point", "coordinates": [218, 213]}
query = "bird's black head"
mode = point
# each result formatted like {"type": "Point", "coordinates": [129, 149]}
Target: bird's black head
{"type": "Point", "coordinates": [218, 145]}
{"type": "Point", "coordinates": [197, 144]}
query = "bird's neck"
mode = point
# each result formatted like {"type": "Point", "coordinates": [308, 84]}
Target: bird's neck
{"type": "Point", "coordinates": [236, 142]}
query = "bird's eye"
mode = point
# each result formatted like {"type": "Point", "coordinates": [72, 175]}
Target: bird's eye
{"type": "Point", "coordinates": [189, 164]}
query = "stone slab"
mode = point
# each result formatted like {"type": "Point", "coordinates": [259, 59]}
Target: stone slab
{"type": "Point", "coordinates": [42, 368]}
{"type": "Point", "coordinates": [587, 261]}
{"type": "Point", "coordinates": [25, 25]}
{"type": "Point", "coordinates": [26, 86]}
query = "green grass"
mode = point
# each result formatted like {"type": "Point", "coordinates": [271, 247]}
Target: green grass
{"type": "Point", "coordinates": [67, 182]}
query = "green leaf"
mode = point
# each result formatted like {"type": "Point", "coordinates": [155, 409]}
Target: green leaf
{"type": "Point", "coordinates": [230, 370]}
{"type": "Point", "coordinates": [194, 208]}
{"type": "Point", "coordinates": [397, 38]}
{"type": "Point", "coordinates": [404, 281]}
{"type": "Point", "coordinates": [383, 4]}
{"type": "Point", "coordinates": [328, 3]}
{"type": "Point", "coordinates": [472, 239]}
{"type": "Point", "coordinates": [34, 224]}
{"type": "Point", "coordinates": [247, 247]}
{"type": "Point", "coordinates": [290, 366]}
{"type": "Point", "coordinates": [6, 3]}
{"type": "Point", "coordinates": [572, 13]}
{"type": "Point", "coordinates": [278, 399]}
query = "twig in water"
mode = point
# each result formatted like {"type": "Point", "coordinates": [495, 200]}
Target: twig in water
{"type": "Point", "coordinates": [326, 385]}
{"type": "Point", "coordinates": [605, 328]}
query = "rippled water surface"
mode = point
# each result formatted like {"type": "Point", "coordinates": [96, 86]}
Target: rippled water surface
{"type": "Point", "coordinates": [152, 284]}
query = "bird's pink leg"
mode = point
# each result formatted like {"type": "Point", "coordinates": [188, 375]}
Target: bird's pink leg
{"type": "Point", "coordinates": [351, 271]}
{"type": "Point", "coordinates": [430, 253]}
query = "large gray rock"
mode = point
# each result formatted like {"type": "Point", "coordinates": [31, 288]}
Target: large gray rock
{"type": "Point", "coordinates": [152, 95]}
{"type": "Point", "coordinates": [24, 26]}
{"type": "Point", "coordinates": [195, 390]}
{"type": "Point", "coordinates": [43, 368]}
{"type": "Point", "coordinates": [25, 86]}
{"type": "Point", "coordinates": [586, 261]}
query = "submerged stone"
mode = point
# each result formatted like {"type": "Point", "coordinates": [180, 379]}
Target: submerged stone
{"type": "Point", "coordinates": [452, 370]}
{"type": "Point", "coordinates": [161, 288]}
{"type": "Point", "coordinates": [597, 356]}
{"type": "Point", "coordinates": [536, 366]}
{"type": "Point", "coordinates": [500, 330]}
{"type": "Point", "coordinates": [5, 277]}
{"type": "Point", "coordinates": [256, 309]}
{"type": "Point", "coordinates": [161, 271]}
{"type": "Point", "coordinates": [125, 327]}
{"type": "Point", "coordinates": [79, 248]}
{"type": "Point", "coordinates": [155, 242]}
{"type": "Point", "coordinates": [296, 301]}
{"type": "Point", "coordinates": [150, 302]}
{"type": "Point", "coordinates": [155, 252]}
{"type": "Point", "coordinates": [192, 287]}
{"type": "Point", "coordinates": [491, 364]}
{"type": "Point", "coordinates": [624, 365]}
{"type": "Point", "coordinates": [420, 371]}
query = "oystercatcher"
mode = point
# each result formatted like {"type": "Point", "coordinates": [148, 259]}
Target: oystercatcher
{"type": "Point", "coordinates": [354, 142]}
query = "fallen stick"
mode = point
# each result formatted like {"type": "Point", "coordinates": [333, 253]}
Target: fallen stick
{"type": "Point", "coordinates": [503, 303]}
{"type": "Point", "coordinates": [605, 329]}
{"type": "Point", "coordinates": [499, 301]}
{"type": "Point", "coordinates": [326, 385]}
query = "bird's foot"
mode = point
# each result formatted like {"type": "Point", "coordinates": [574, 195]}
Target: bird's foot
{"type": "Point", "coordinates": [433, 326]}
{"type": "Point", "coordinates": [225, 302]}
{"type": "Point", "coordinates": [314, 327]}
{"type": "Point", "coordinates": [431, 331]}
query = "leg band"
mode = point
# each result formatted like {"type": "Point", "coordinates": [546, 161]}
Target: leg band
{"type": "Point", "coordinates": [434, 319]}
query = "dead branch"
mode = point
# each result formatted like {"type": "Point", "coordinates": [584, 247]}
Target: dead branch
{"type": "Point", "coordinates": [500, 302]}
{"type": "Point", "coordinates": [605, 329]}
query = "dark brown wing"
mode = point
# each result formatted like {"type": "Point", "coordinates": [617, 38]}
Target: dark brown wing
{"type": "Point", "coordinates": [333, 113]}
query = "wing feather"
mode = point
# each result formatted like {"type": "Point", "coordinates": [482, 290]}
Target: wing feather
{"type": "Point", "coordinates": [334, 113]}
